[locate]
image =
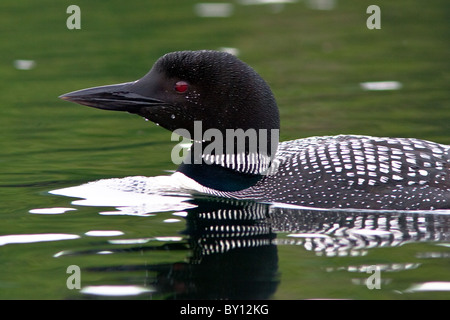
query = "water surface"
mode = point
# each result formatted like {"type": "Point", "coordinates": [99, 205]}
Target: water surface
{"type": "Point", "coordinates": [177, 246]}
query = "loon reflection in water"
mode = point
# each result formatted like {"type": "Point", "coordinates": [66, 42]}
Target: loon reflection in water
{"type": "Point", "coordinates": [232, 245]}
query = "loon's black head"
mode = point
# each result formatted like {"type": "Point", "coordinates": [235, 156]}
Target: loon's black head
{"type": "Point", "coordinates": [214, 89]}
{"type": "Point", "coordinates": [182, 87]}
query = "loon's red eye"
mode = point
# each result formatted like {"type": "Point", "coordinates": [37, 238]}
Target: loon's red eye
{"type": "Point", "coordinates": [181, 86]}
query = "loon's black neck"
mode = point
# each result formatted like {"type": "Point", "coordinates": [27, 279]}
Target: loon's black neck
{"type": "Point", "coordinates": [219, 178]}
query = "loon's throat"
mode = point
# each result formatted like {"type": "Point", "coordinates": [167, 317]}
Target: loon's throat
{"type": "Point", "coordinates": [219, 178]}
{"type": "Point", "coordinates": [223, 169]}
{"type": "Point", "coordinates": [252, 157]}
{"type": "Point", "coordinates": [252, 163]}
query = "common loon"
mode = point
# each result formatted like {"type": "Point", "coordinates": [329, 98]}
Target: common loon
{"type": "Point", "coordinates": [205, 90]}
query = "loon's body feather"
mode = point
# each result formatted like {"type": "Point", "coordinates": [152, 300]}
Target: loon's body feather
{"type": "Point", "coordinates": [349, 171]}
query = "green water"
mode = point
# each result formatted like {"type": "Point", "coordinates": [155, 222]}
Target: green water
{"type": "Point", "coordinates": [314, 61]}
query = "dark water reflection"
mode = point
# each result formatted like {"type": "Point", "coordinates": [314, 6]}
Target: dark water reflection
{"type": "Point", "coordinates": [232, 247]}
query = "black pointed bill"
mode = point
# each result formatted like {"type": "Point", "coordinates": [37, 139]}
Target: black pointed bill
{"type": "Point", "coordinates": [117, 97]}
